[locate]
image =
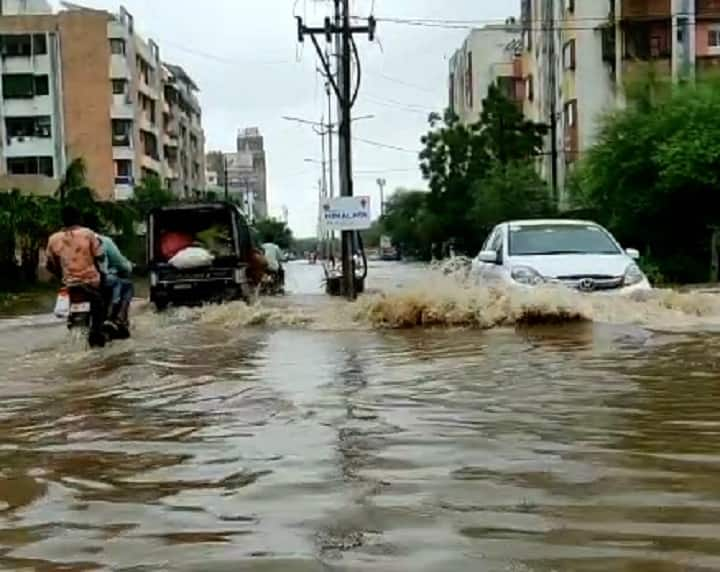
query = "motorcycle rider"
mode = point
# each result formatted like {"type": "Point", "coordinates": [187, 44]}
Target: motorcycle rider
{"type": "Point", "coordinates": [116, 271]}
{"type": "Point", "coordinates": [72, 255]}
{"type": "Point", "coordinates": [273, 255]}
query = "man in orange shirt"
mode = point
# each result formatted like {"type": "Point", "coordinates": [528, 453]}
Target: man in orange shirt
{"type": "Point", "coordinates": [72, 255]}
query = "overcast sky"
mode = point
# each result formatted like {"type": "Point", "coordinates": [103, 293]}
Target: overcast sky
{"type": "Point", "coordinates": [245, 58]}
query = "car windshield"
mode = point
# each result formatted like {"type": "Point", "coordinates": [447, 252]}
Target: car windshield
{"type": "Point", "coordinates": [549, 239]}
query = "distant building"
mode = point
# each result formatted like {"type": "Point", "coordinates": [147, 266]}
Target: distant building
{"type": "Point", "coordinates": [243, 183]}
{"type": "Point", "coordinates": [81, 83]}
{"type": "Point", "coordinates": [251, 146]}
{"type": "Point", "coordinates": [487, 56]}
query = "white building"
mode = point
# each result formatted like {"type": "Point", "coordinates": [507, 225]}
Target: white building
{"type": "Point", "coordinates": [487, 55]}
{"type": "Point", "coordinates": [569, 74]}
{"type": "Point", "coordinates": [17, 7]}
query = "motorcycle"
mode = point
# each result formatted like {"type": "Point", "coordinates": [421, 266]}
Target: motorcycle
{"type": "Point", "coordinates": [272, 284]}
{"type": "Point", "coordinates": [75, 305]}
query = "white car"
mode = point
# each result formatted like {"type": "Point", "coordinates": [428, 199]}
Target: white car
{"type": "Point", "coordinates": [578, 254]}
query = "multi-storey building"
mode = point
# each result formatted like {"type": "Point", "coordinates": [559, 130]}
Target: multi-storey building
{"type": "Point", "coordinates": [568, 68]}
{"type": "Point", "coordinates": [251, 150]}
{"type": "Point", "coordinates": [82, 84]}
{"type": "Point", "coordinates": [183, 138]}
{"type": "Point", "coordinates": [486, 56]}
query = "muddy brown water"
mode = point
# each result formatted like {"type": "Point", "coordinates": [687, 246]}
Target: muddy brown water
{"type": "Point", "coordinates": [307, 435]}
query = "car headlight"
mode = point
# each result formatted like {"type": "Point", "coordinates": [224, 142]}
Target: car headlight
{"type": "Point", "coordinates": [633, 275]}
{"type": "Point", "coordinates": [526, 275]}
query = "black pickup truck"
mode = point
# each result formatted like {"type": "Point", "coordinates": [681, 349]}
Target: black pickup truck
{"type": "Point", "coordinates": [224, 226]}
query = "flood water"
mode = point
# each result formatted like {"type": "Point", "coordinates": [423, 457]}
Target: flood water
{"type": "Point", "coordinates": [435, 428]}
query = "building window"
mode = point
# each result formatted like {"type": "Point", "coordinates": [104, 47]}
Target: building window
{"type": "Point", "coordinates": [42, 85]}
{"type": "Point", "coordinates": [119, 86]}
{"type": "Point", "coordinates": [24, 86]}
{"type": "Point", "coordinates": [123, 172]}
{"type": "Point", "coordinates": [40, 44]}
{"type": "Point", "coordinates": [30, 166]}
{"type": "Point", "coordinates": [28, 127]}
{"type": "Point", "coordinates": [571, 114]}
{"type": "Point", "coordinates": [150, 146]}
{"type": "Point", "coordinates": [121, 132]}
{"type": "Point", "coordinates": [530, 88]}
{"type": "Point", "coordinates": [117, 46]}
{"type": "Point", "coordinates": [714, 38]}
{"type": "Point", "coordinates": [17, 45]}
{"type": "Point", "coordinates": [569, 55]}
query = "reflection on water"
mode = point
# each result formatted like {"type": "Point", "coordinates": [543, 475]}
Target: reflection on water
{"type": "Point", "coordinates": [301, 436]}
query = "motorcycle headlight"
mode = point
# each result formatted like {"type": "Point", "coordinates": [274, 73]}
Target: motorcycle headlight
{"type": "Point", "coordinates": [526, 275]}
{"type": "Point", "coordinates": [633, 275]}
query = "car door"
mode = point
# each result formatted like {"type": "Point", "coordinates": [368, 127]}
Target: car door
{"type": "Point", "coordinates": [494, 271]}
{"type": "Point", "coordinates": [485, 271]}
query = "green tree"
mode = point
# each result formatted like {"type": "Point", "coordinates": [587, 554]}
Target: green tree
{"type": "Point", "coordinates": [509, 191]}
{"type": "Point", "coordinates": [411, 223]}
{"type": "Point", "coordinates": [456, 158]}
{"type": "Point", "coordinates": [276, 231]}
{"type": "Point", "coordinates": [653, 177]}
{"type": "Point", "coordinates": [149, 195]}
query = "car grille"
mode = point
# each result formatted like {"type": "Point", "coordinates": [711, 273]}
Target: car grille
{"type": "Point", "coordinates": [592, 282]}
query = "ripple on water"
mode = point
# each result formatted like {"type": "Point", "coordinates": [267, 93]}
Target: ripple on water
{"type": "Point", "coordinates": [356, 437]}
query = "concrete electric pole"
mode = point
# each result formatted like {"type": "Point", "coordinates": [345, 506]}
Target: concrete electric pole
{"type": "Point", "coordinates": [381, 183]}
{"type": "Point", "coordinates": [343, 33]}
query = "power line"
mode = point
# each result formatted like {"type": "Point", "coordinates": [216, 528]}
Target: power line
{"type": "Point", "coordinates": [399, 107]}
{"type": "Point", "coordinates": [401, 103]}
{"type": "Point", "coordinates": [386, 146]}
{"type": "Point", "coordinates": [400, 82]}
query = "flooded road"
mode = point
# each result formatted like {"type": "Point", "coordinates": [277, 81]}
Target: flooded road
{"type": "Point", "coordinates": [553, 433]}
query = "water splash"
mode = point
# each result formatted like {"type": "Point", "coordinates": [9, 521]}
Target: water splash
{"type": "Point", "coordinates": [449, 299]}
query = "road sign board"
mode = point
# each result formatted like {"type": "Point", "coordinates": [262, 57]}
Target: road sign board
{"type": "Point", "coordinates": [345, 213]}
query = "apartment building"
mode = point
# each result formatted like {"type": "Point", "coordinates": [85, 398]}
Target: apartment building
{"type": "Point", "coordinates": [183, 138]}
{"type": "Point", "coordinates": [251, 150]}
{"type": "Point", "coordinates": [487, 56]}
{"type": "Point", "coordinates": [579, 56]}
{"type": "Point", "coordinates": [82, 83]}
{"type": "Point", "coordinates": [568, 69]}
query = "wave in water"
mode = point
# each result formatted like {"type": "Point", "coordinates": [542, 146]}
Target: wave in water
{"type": "Point", "coordinates": [450, 301]}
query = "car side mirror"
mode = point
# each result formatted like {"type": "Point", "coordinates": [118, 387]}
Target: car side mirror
{"type": "Point", "coordinates": [633, 253]}
{"type": "Point", "coordinates": [489, 256]}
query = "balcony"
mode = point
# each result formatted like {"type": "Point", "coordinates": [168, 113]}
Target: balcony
{"type": "Point", "coordinates": [171, 172]}
{"type": "Point", "coordinates": [640, 69]}
{"type": "Point", "coordinates": [39, 64]}
{"type": "Point", "coordinates": [151, 164]}
{"type": "Point", "coordinates": [122, 107]}
{"type": "Point", "coordinates": [170, 140]}
{"type": "Point", "coordinates": [30, 107]}
{"type": "Point", "coordinates": [29, 147]}
{"type": "Point", "coordinates": [707, 9]}
{"type": "Point", "coordinates": [148, 90]}
{"type": "Point", "coordinates": [123, 188]}
{"type": "Point", "coordinates": [147, 125]}
{"type": "Point", "coordinates": [119, 68]}
{"type": "Point", "coordinates": [647, 41]}
{"type": "Point", "coordinates": [646, 10]}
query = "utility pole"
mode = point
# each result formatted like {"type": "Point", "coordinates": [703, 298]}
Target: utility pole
{"type": "Point", "coordinates": [330, 140]}
{"type": "Point", "coordinates": [549, 36]}
{"type": "Point", "coordinates": [381, 183]}
{"type": "Point", "coordinates": [343, 33]}
{"type": "Point", "coordinates": [225, 177]}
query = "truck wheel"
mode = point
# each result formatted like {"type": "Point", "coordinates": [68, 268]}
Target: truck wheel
{"type": "Point", "coordinates": [161, 303]}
